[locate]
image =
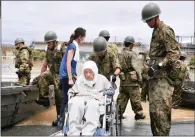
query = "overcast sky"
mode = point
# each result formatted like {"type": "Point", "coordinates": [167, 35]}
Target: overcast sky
{"type": "Point", "coordinates": [32, 19]}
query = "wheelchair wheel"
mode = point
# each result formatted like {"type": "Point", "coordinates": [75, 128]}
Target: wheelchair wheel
{"type": "Point", "coordinates": [118, 121]}
{"type": "Point", "coordinates": [115, 125]}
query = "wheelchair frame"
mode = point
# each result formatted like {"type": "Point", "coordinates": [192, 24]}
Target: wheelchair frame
{"type": "Point", "coordinates": [109, 125]}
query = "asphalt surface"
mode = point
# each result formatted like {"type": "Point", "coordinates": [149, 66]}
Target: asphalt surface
{"type": "Point", "coordinates": [132, 129]}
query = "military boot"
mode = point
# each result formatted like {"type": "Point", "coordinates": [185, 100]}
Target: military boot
{"type": "Point", "coordinates": [175, 106]}
{"type": "Point", "coordinates": [139, 116]}
{"type": "Point", "coordinates": [55, 122]}
{"type": "Point", "coordinates": [19, 84]}
{"type": "Point", "coordinates": [43, 101]}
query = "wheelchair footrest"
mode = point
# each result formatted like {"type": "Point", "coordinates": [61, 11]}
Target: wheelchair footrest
{"type": "Point", "coordinates": [99, 132]}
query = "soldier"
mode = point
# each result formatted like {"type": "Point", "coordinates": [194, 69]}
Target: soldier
{"type": "Point", "coordinates": [24, 62]}
{"type": "Point", "coordinates": [106, 35]}
{"type": "Point", "coordinates": [53, 59]}
{"type": "Point", "coordinates": [130, 78]}
{"type": "Point", "coordinates": [145, 77]}
{"type": "Point", "coordinates": [180, 73]}
{"type": "Point", "coordinates": [164, 51]}
{"type": "Point", "coordinates": [106, 60]}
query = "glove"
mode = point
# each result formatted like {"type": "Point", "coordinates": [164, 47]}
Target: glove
{"type": "Point", "coordinates": [113, 78]}
{"type": "Point", "coordinates": [109, 92]}
{"type": "Point", "coordinates": [153, 69]}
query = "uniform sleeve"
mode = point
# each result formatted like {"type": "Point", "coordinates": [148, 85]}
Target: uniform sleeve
{"type": "Point", "coordinates": [134, 64]}
{"type": "Point", "coordinates": [24, 57]}
{"type": "Point", "coordinates": [91, 57]}
{"type": "Point", "coordinates": [115, 61]}
{"type": "Point", "coordinates": [172, 47]}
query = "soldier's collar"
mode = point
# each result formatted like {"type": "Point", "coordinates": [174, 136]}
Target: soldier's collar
{"type": "Point", "coordinates": [160, 25]}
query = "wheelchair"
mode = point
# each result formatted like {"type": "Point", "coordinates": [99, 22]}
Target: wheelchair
{"type": "Point", "coordinates": [109, 122]}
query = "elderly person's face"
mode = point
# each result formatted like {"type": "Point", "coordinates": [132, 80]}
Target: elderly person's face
{"type": "Point", "coordinates": [88, 73]}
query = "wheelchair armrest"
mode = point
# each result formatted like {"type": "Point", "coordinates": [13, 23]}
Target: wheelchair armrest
{"type": "Point", "coordinates": [109, 92]}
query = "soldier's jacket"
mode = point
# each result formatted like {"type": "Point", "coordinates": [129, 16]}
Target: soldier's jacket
{"type": "Point", "coordinates": [114, 48]}
{"type": "Point", "coordinates": [54, 57]}
{"type": "Point", "coordinates": [163, 47]}
{"type": "Point", "coordinates": [24, 59]}
{"type": "Point", "coordinates": [106, 65]}
{"type": "Point", "coordinates": [130, 72]}
{"type": "Point", "coordinates": [179, 71]}
{"type": "Point", "coordinates": [145, 71]}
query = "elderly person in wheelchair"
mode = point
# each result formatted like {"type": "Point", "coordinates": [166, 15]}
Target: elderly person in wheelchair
{"type": "Point", "coordinates": [87, 95]}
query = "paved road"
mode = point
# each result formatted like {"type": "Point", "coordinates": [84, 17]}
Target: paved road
{"type": "Point", "coordinates": [129, 129]}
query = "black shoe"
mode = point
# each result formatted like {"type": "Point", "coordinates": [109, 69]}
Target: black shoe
{"type": "Point", "coordinates": [139, 116]}
{"type": "Point", "coordinates": [55, 123]}
{"type": "Point", "coordinates": [60, 123]}
{"type": "Point", "coordinates": [19, 84]}
{"type": "Point", "coordinates": [43, 101]}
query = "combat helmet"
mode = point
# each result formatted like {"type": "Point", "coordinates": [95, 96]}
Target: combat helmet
{"type": "Point", "coordinates": [150, 11]}
{"type": "Point", "coordinates": [130, 39]}
{"type": "Point", "coordinates": [100, 44]}
{"type": "Point", "coordinates": [50, 36]}
{"type": "Point", "coordinates": [104, 33]}
{"type": "Point", "coordinates": [19, 40]}
{"type": "Point", "coordinates": [183, 55]}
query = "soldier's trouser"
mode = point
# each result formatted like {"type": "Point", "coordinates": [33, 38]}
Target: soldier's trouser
{"type": "Point", "coordinates": [132, 93]}
{"type": "Point", "coordinates": [144, 91]}
{"type": "Point", "coordinates": [176, 98]}
{"type": "Point", "coordinates": [45, 81]}
{"type": "Point", "coordinates": [24, 78]}
{"type": "Point", "coordinates": [160, 104]}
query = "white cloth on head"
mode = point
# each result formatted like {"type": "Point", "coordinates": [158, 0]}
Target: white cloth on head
{"type": "Point", "coordinates": [77, 54]}
{"type": "Point", "coordinates": [90, 65]}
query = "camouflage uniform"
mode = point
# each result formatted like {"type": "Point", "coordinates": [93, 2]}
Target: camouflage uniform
{"type": "Point", "coordinates": [107, 64]}
{"type": "Point", "coordinates": [51, 77]}
{"type": "Point", "coordinates": [106, 35]}
{"type": "Point", "coordinates": [163, 49]}
{"type": "Point", "coordinates": [181, 73]}
{"type": "Point", "coordinates": [114, 48]}
{"type": "Point", "coordinates": [129, 86]}
{"type": "Point", "coordinates": [24, 64]}
{"type": "Point", "coordinates": [145, 77]}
